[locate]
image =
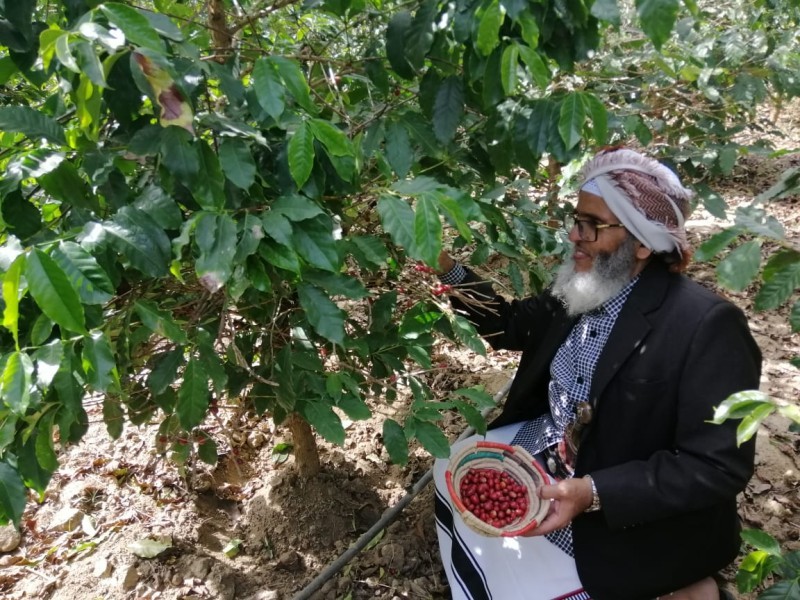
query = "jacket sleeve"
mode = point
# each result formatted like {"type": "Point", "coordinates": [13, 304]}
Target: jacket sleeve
{"type": "Point", "coordinates": [704, 467]}
{"type": "Point", "coordinates": [504, 324]}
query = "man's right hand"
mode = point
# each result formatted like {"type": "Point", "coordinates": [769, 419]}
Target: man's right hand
{"type": "Point", "coordinates": [446, 263]}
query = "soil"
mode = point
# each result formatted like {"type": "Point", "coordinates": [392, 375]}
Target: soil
{"type": "Point", "coordinates": [249, 528]}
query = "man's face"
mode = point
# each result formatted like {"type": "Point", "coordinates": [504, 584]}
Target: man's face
{"type": "Point", "coordinates": [593, 208]}
{"type": "Point", "coordinates": [597, 270]}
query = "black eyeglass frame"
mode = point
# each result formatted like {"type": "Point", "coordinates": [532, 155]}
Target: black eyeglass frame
{"type": "Point", "coordinates": [587, 228]}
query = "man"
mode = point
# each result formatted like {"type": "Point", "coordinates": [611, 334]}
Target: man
{"type": "Point", "coordinates": [623, 361]}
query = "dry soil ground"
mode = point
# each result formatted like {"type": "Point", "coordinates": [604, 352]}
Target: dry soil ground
{"type": "Point", "coordinates": [76, 543]}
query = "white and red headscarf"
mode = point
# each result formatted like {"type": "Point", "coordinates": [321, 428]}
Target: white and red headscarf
{"type": "Point", "coordinates": [646, 196]}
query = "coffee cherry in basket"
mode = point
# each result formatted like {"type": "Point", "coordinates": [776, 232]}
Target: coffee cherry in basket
{"type": "Point", "coordinates": [493, 496]}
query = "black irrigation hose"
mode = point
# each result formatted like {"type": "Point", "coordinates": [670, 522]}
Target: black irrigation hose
{"type": "Point", "coordinates": [388, 517]}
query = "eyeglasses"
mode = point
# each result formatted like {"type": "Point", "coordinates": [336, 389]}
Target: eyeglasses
{"type": "Point", "coordinates": [587, 229]}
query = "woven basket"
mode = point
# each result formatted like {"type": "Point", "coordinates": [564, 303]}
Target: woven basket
{"type": "Point", "coordinates": [517, 463]}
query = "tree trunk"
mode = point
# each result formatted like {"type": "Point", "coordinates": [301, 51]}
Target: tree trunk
{"type": "Point", "coordinates": [305, 446]}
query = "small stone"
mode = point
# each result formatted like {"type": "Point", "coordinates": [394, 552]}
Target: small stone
{"type": "Point", "coordinates": [290, 561]}
{"type": "Point", "coordinates": [392, 555]}
{"type": "Point", "coordinates": [102, 568]}
{"type": "Point", "coordinates": [129, 577]}
{"type": "Point", "coordinates": [9, 560]}
{"type": "Point", "coordinates": [9, 538]}
{"type": "Point", "coordinates": [256, 439]}
{"type": "Point", "coordinates": [176, 579]}
{"type": "Point", "coordinates": [199, 568]}
{"type": "Point", "coordinates": [264, 595]}
{"type": "Point", "coordinates": [67, 519]}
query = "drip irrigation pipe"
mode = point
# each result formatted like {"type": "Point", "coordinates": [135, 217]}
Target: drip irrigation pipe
{"type": "Point", "coordinates": [388, 517]}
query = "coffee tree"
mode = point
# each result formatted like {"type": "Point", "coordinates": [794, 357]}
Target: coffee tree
{"type": "Point", "coordinates": [208, 202]}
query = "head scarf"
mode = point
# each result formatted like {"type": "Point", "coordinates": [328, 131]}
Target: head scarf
{"type": "Point", "coordinates": [646, 196]}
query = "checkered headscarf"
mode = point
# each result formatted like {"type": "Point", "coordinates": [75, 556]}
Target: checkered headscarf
{"type": "Point", "coordinates": [645, 195]}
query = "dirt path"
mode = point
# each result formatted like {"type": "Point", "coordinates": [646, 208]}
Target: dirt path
{"type": "Point", "coordinates": [248, 528]}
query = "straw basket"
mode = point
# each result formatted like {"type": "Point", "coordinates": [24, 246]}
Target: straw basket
{"type": "Point", "coordinates": [518, 464]}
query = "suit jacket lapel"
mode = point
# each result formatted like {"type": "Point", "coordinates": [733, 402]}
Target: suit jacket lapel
{"type": "Point", "coordinates": [631, 328]}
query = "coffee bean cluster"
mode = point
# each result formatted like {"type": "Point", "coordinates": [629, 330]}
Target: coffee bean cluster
{"type": "Point", "coordinates": [493, 496]}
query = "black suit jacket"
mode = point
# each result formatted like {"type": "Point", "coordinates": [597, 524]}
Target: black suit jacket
{"type": "Point", "coordinates": [666, 477]}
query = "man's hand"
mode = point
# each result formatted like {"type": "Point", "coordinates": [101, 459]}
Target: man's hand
{"type": "Point", "coordinates": [446, 263]}
{"type": "Point", "coordinates": [569, 497]}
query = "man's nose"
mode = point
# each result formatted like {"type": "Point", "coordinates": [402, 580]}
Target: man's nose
{"type": "Point", "coordinates": [574, 236]}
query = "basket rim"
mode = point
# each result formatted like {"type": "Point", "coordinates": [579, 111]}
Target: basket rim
{"type": "Point", "coordinates": [523, 461]}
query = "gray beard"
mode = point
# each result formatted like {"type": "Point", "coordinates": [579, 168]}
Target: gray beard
{"type": "Point", "coordinates": [583, 292]}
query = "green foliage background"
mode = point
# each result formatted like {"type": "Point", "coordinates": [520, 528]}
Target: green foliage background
{"type": "Point", "coordinates": [207, 202]}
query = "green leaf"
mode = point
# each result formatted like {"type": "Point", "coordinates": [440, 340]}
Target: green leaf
{"type": "Point", "coordinates": [488, 36]}
{"type": "Point", "coordinates": [83, 271]}
{"type": "Point", "coordinates": [508, 68]}
{"type": "Point", "coordinates": [739, 405]}
{"type": "Point", "coordinates": [237, 163]}
{"type": "Point", "coordinates": [215, 237]}
{"type": "Point", "coordinates": [598, 116]}
{"type": "Point", "coordinates": [478, 396]}
{"type": "Point", "coordinates": [716, 244]}
{"type": "Point", "coordinates": [206, 448]}
{"type": "Point", "coordinates": [313, 240]}
{"type": "Point", "coordinates": [794, 317]}
{"type": "Point", "coordinates": [750, 424]}
{"type": "Point", "coordinates": [354, 407]}
{"type": "Point", "coordinates": [92, 80]}
{"type": "Point", "coordinates": [536, 66]}
{"type": "Point", "coordinates": [159, 321]}
{"type": "Point", "coordinates": [757, 221]}
{"type": "Point", "coordinates": [325, 421]}
{"type": "Point", "coordinates": [53, 292]}
{"type": "Point", "coordinates": [98, 361]}
{"type": "Point", "coordinates": [448, 108]}
{"type": "Point", "coordinates": [396, 35]}
{"type": "Point", "coordinates": [398, 149]}
{"type": "Point", "coordinates": [279, 255]}
{"type": "Point", "coordinates": [713, 202]}
{"type": "Point", "coordinates": [761, 540]}
{"type": "Point", "coordinates": [133, 24]}
{"type": "Point", "coordinates": [740, 267]}
{"type": "Point", "coordinates": [45, 452]}
{"type": "Point", "coordinates": [369, 251]}
{"type": "Point", "coordinates": [571, 117]}
{"type": "Point", "coordinates": [113, 416]}
{"type": "Point", "coordinates": [782, 278]}
{"type": "Point", "coordinates": [269, 88]}
{"type": "Point", "coordinates": [140, 240]}
{"type": "Point", "coordinates": [12, 494]}
{"type": "Point", "coordinates": [278, 227]}
{"type": "Point", "coordinates": [466, 334]}
{"type": "Point", "coordinates": [165, 371]}
{"type": "Point", "coordinates": [32, 123]}
{"type": "Point", "coordinates": [657, 18]}
{"type": "Point", "coordinates": [398, 221]}
{"type": "Point", "coordinates": [208, 186]}
{"type": "Point", "coordinates": [606, 10]}
{"type": "Point", "coordinates": [394, 440]}
{"type": "Point", "coordinates": [16, 382]}
{"type": "Point", "coordinates": [427, 229]}
{"type": "Point", "coordinates": [432, 439]}
{"type": "Point", "coordinates": [193, 396]}
{"type": "Point", "coordinates": [301, 154]}
{"type": "Point", "coordinates": [296, 208]}
{"type": "Point", "coordinates": [178, 153]}
{"type": "Point", "coordinates": [325, 317]}
{"type": "Point", "coordinates": [11, 283]}
{"type": "Point", "coordinates": [331, 137]}
{"type": "Point", "coordinates": [420, 34]}
{"type": "Point", "coordinates": [336, 284]}
{"type": "Point", "coordinates": [295, 82]}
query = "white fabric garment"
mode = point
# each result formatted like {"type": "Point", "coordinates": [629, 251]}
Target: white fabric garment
{"type": "Point", "coordinates": [519, 568]}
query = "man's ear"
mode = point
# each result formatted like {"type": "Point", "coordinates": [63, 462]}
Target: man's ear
{"type": "Point", "coordinates": [643, 252]}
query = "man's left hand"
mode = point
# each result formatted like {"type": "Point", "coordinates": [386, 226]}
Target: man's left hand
{"type": "Point", "coordinates": [569, 498]}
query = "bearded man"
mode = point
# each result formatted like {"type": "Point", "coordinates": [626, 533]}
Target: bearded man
{"type": "Point", "coordinates": [623, 361]}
